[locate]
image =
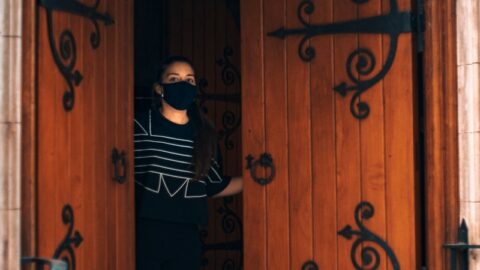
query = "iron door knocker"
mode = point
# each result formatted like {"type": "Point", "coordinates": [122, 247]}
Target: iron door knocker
{"type": "Point", "coordinates": [264, 161]}
{"type": "Point", "coordinates": [120, 166]}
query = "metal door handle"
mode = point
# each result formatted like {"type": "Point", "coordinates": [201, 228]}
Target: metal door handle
{"type": "Point", "coordinates": [265, 161]}
{"type": "Point", "coordinates": [120, 166]}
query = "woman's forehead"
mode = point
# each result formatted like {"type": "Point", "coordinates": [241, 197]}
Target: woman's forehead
{"type": "Point", "coordinates": [179, 68]}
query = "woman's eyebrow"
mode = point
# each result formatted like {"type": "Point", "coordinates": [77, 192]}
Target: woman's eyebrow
{"type": "Point", "coordinates": [172, 73]}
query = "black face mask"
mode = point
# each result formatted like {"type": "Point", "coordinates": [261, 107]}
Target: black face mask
{"type": "Point", "coordinates": [179, 95]}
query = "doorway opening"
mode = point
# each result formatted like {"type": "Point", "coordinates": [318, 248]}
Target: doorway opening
{"type": "Point", "coordinates": [208, 33]}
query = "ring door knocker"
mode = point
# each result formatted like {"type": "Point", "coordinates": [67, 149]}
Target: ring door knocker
{"type": "Point", "coordinates": [264, 161]}
{"type": "Point", "coordinates": [120, 166]}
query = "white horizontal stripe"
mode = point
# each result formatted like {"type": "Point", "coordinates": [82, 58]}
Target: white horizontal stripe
{"type": "Point", "coordinates": [164, 167]}
{"type": "Point", "coordinates": [152, 141]}
{"type": "Point", "coordinates": [169, 159]}
{"type": "Point", "coordinates": [171, 175]}
{"type": "Point", "coordinates": [160, 150]}
{"type": "Point", "coordinates": [171, 138]}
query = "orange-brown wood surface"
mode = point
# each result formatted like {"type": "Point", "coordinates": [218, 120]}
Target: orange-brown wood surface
{"type": "Point", "coordinates": [74, 148]}
{"type": "Point", "coordinates": [327, 161]}
{"type": "Point", "coordinates": [441, 127]}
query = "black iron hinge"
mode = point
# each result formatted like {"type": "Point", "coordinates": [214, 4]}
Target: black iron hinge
{"type": "Point", "coordinates": [361, 61]}
{"type": "Point", "coordinates": [419, 26]}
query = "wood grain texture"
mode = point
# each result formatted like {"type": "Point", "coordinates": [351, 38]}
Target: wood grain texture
{"type": "Point", "coordinates": [323, 143]}
{"type": "Point", "coordinates": [253, 133]}
{"type": "Point", "coordinates": [334, 160]}
{"type": "Point", "coordinates": [29, 139]}
{"type": "Point", "coordinates": [74, 150]}
{"type": "Point", "coordinates": [441, 130]}
{"type": "Point", "coordinates": [276, 129]}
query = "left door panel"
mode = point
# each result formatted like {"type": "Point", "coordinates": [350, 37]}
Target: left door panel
{"type": "Point", "coordinates": [84, 215]}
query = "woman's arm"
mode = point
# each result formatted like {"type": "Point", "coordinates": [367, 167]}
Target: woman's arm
{"type": "Point", "coordinates": [235, 186]}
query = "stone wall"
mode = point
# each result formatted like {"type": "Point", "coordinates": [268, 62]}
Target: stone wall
{"type": "Point", "coordinates": [10, 120]}
{"type": "Point", "coordinates": [468, 27]}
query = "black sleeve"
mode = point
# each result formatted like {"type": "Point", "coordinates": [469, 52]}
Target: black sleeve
{"type": "Point", "coordinates": [216, 180]}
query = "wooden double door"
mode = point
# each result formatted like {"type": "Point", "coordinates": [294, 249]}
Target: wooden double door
{"type": "Point", "coordinates": [341, 190]}
{"type": "Point", "coordinates": [338, 126]}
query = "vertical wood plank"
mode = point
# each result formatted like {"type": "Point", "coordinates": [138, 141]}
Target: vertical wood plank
{"type": "Point", "coordinates": [47, 112]}
{"type": "Point", "coordinates": [276, 125]}
{"type": "Point", "coordinates": [372, 135]}
{"type": "Point", "coordinates": [299, 147]}
{"type": "Point", "coordinates": [126, 232]}
{"type": "Point", "coordinates": [323, 143]}
{"type": "Point", "coordinates": [174, 35]}
{"type": "Point", "coordinates": [400, 151]}
{"type": "Point", "coordinates": [29, 120]}
{"type": "Point", "coordinates": [347, 136]}
{"type": "Point", "coordinates": [253, 134]}
{"type": "Point", "coordinates": [76, 133]}
{"type": "Point", "coordinates": [441, 139]}
{"type": "Point", "coordinates": [209, 68]}
{"type": "Point", "coordinates": [89, 245]}
{"type": "Point", "coordinates": [187, 28]}
{"type": "Point", "coordinates": [111, 78]}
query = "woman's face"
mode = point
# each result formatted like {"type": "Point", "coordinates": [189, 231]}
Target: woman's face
{"type": "Point", "coordinates": [179, 71]}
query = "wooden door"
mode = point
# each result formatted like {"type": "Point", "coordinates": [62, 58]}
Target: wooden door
{"type": "Point", "coordinates": [345, 190]}
{"type": "Point", "coordinates": [84, 215]}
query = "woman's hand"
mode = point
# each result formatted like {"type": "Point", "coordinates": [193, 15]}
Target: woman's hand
{"type": "Point", "coordinates": [235, 186]}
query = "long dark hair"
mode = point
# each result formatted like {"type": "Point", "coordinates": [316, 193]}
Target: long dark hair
{"type": "Point", "coordinates": [205, 136]}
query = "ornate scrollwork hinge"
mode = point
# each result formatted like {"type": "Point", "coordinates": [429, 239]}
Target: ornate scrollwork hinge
{"type": "Point", "coordinates": [66, 249]}
{"type": "Point", "coordinates": [65, 55]}
{"type": "Point", "coordinates": [361, 61]}
{"type": "Point", "coordinates": [370, 257]}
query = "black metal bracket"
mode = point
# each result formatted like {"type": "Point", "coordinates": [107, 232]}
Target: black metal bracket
{"type": "Point", "coordinates": [310, 265]}
{"type": "Point", "coordinates": [120, 166]}
{"type": "Point", "coordinates": [264, 161]}
{"type": "Point", "coordinates": [66, 249]}
{"type": "Point", "coordinates": [41, 263]}
{"type": "Point", "coordinates": [362, 61]}
{"type": "Point", "coordinates": [370, 257]}
{"type": "Point", "coordinates": [231, 223]}
{"type": "Point", "coordinates": [459, 250]}
{"type": "Point", "coordinates": [65, 55]}
{"type": "Point", "coordinates": [230, 76]}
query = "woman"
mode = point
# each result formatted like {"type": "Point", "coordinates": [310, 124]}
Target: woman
{"type": "Point", "coordinates": [177, 166]}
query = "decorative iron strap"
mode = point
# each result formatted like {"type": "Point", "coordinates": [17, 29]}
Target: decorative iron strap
{"type": "Point", "coordinates": [230, 76]}
{"type": "Point", "coordinates": [231, 223]}
{"type": "Point", "coordinates": [65, 250]}
{"type": "Point", "coordinates": [370, 256]}
{"type": "Point", "coordinates": [361, 61]}
{"type": "Point", "coordinates": [65, 55]}
{"type": "Point", "coordinates": [310, 265]}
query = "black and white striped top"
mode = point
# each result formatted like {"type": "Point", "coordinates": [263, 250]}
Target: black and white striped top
{"type": "Point", "coordinates": [164, 172]}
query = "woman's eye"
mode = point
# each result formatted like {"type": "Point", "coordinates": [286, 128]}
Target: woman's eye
{"type": "Point", "coordinates": [191, 81]}
{"type": "Point", "coordinates": [173, 79]}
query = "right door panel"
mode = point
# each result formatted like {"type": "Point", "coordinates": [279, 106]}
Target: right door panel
{"type": "Point", "coordinates": [345, 193]}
